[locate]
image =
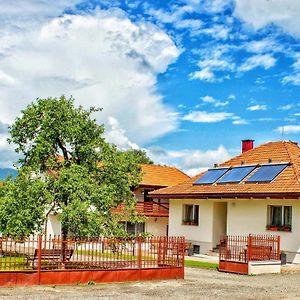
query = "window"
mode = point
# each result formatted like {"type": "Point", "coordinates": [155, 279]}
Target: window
{"type": "Point", "coordinates": [134, 228]}
{"type": "Point", "coordinates": [280, 218]}
{"type": "Point", "coordinates": [190, 214]}
{"type": "Point", "coordinates": [146, 196]}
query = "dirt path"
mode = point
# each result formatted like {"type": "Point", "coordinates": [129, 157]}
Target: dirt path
{"type": "Point", "coordinates": [199, 284]}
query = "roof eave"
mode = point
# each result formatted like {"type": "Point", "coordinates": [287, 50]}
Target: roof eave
{"type": "Point", "coordinates": [229, 196]}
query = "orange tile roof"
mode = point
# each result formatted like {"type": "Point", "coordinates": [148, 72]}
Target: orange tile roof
{"type": "Point", "coordinates": [154, 175]}
{"type": "Point", "coordinates": [286, 184]}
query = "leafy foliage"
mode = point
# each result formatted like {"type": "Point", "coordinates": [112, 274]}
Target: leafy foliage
{"type": "Point", "coordinates": [66, 167]}
{"type": "Point", "coordinates": [139, 156]}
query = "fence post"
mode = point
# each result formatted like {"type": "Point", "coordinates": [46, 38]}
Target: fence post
{"type": "Point", "coordinates": [278, 247]}
{"type": "Point", "coordinates": [183, 254]}
{"type": "Point", "coordinates": [39, 258]}
{"type": "Point", "coordinates": [139, 252]}
{"type": "Point", "coordinates": [226, 248]}
{"type": "Point", "coordinates": [249, 247]}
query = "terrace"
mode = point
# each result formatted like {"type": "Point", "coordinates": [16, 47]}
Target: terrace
{"type": "Point", "coordinates": [148, 209]}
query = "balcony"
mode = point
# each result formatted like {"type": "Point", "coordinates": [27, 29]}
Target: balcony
{"type": "Point", "coordinates": [148, 209]}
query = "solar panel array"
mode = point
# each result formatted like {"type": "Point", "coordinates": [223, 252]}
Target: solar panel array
{"type": "Point", "coordinates": [261, 173]}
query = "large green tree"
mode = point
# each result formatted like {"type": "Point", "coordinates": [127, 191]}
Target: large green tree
{"type": "Point", "coordinates": [66, 167]}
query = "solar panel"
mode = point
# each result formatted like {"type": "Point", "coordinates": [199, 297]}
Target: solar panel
{"type": "Point", "coordinates": [236, 174]}
{"type": "Point", "coordinates": [267, 173]}
{"type": "Point", "coordinates": [211, 176]}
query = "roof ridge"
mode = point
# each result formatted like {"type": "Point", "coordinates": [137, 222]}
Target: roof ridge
{"type": "Point", "coordinates": [285, 143]}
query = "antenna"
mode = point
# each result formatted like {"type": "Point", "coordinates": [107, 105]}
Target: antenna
{"type": "Point", "coordinates": [282, 132]}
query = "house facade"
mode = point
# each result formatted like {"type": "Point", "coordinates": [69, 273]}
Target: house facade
{"type": "Point", "coordinates": [256, 192]}
{"type": "Point", "coordinates": [156, 210]}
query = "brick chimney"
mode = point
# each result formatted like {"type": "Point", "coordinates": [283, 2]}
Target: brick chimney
{"type": "Point", "coordinates": [247, 145]}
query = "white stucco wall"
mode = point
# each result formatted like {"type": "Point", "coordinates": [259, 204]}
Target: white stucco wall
{"type": "Point", "coordinates": [199, 235]}
{"type": "Point", "coordinates": [157, 226]}
{"type": "Point", "coordinates": [251, 216]}
{"type": "Point", "coordinates": [53, 225]}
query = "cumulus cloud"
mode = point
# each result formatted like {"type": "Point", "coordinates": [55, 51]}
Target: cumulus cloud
{"type": "Point", "coordinates": [117, 135]}
{"type": "Point", "coordinates": [207, 117]}
{"type": "Point", "coordinates": [282, 13]}
{"type": "Point", "coordinates": [190, 161]}
{"type": "Point", "coordinates": [103, 59]}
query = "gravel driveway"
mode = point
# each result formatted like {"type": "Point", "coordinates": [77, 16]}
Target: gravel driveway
{"type": "Point", "coordinates": [199, 284]}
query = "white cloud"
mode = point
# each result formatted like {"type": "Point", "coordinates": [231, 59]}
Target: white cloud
{"type": "Point", "coordinates": [193, 24]}
{"type": "Point", "coordinates": [104, 59]}
{"type": "Point", "coordinates": [205, 74]}
{"type": "Point", "coordinates": [213, 60]}
{"type": "Point", "coordinates": [288, 129]}
{"type": "Point", "coordinates": [217, 32]}
{"type": "Point", "coordinates": [239, 122]}
{"type": "Point", "coordinates": [265, 61]}
{"type": "Point", "coordinates": [259, 13]}
{"type": "Point", "coordinates": [286, 107]}
{"type": "Point", "coordinates": [189, 160]}
{"type": "Point", "coordinates": [214, 102]}
{"type": "Point", "coordinates": [262, 46]}
{"type": "Point", "coordinates": [293, 79]}
{"type": "Point", "coordinates": [231, 97]}
{"type": "Point", "coordinates": [257, 107]}
{"type": "Point", "coordinates": [207, 117]}
{"type": "Point", "coordinates": [117, 135]}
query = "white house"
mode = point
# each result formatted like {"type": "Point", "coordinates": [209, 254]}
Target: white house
{"type": "Point", "coordinates": [256, 192]}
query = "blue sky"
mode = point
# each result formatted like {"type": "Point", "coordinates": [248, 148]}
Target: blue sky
{"type": "Point", "coordinates": [185, 80]}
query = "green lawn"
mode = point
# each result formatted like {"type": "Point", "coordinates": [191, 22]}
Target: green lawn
{"type": "Point", "coordinates": [200, 264]}
{"type": "Point", "coordinates": [12, 263]}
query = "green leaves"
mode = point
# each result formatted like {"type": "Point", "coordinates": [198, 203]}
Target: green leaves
{"type": "Point", "coordinates": [68, 167]}
{"type": "Point", "coordinates": [22, 205]}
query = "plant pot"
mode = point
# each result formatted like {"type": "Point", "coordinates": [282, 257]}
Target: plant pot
{"type": "Point", "coordinates": [286, 229]}
{"type": "Point", "coordinates": [273, 228]}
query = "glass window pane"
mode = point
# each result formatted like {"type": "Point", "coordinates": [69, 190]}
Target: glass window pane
{"type": "Point", "coordinates": [140, 228]}
{"type": "Point", "coordinates": [130, 228]}
{"type": "Point", "coordinates": [188, 212]}
{"type": "Point", "coordinates": [196, 214]}
{"type": "Point", "coordinates": [211, 176]}
{"type": "Point", "coordinates": [287, 220]}
{"type": "Point", "coordinates": [276, 215]}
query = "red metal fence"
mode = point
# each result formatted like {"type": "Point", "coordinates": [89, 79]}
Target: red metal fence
{"type": "Point", "coordinates": [40, 254]}
{"type": "Point", "coordinates": [236, 251]}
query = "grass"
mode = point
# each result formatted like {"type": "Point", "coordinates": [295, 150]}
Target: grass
{"type": "Point", "coordinates": [105, 254]}
{"type": "Point", "coordinates": [12, 263]}
{"type": "Point", "coordinates": [200, 264]}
